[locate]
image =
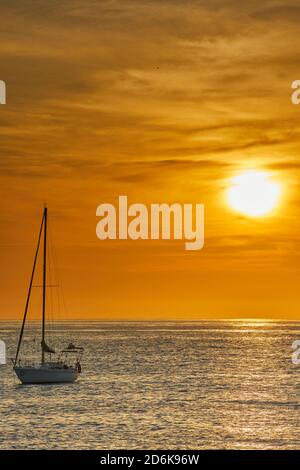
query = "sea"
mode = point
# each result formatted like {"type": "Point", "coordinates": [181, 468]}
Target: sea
{"type": "Point", "coordinates": [160, 385]}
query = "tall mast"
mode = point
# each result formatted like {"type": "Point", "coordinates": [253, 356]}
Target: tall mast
{"type": "Point", "coordinates": [44, 284]}
{"type": "Point", "coordinates": [29, 292]}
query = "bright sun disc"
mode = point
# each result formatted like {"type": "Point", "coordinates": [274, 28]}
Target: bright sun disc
{"type": "Point", "coordinates": [253, 193]}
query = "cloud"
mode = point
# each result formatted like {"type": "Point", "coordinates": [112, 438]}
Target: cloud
{"type": "Point", "coordinates": [285, 165]}
{"type": "Point", "coordinates": [284, 12]}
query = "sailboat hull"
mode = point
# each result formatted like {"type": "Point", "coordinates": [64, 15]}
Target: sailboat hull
{"type": "Point", "coordinates": [45, 375]}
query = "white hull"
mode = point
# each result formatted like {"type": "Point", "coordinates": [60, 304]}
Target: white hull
{"type": "Point", "coordinates": [45, 375]}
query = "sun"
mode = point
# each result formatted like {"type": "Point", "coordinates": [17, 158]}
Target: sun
{"type": "Point", "coordinates": [253, 193]}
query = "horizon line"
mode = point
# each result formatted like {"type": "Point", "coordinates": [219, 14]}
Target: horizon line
{"type": "Point", "coordinates": [78, 320]}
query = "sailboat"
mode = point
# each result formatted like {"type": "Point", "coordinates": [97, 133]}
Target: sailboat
{"type": "Point", "coordinates": [47, 370]}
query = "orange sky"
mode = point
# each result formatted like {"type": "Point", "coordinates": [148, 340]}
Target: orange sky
{"type": "Point", "coordinates": [163, 101]}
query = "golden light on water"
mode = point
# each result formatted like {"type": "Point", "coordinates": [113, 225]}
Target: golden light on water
{"type": "Point", "coordinates": [253, 193]}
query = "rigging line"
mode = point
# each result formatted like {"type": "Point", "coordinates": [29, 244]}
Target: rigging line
{"type": "Point", "coordinates": [54, 296]}
{"type": "Point", "coordinates": [57, 275]}
{"type": "Point", "coordinates": [51, 275]}
{"type": "Point", "coordinates": [29, 291]}
{"type": "Point", "coordinates": [49, 314]}
{"type": "Point", "coordinates": [44, 282]}
{"type": "Point", "coordinates": [61, 301]}
{"type": "Point", "coordinates": [48, 285]}
{"type": "Point", "coordinates": [49, 297]}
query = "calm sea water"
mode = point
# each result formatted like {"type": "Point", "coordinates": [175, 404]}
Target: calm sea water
{"type": "Point", "coordinates": [204, 385]}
